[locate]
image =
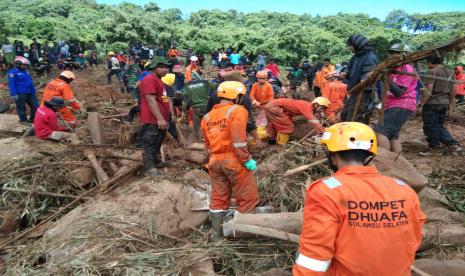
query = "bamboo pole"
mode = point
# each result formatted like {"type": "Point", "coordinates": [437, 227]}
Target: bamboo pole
{"type": "Point", "coordinates": [304, 167]}
{"type": "Point", "coordinates": [24, 191]}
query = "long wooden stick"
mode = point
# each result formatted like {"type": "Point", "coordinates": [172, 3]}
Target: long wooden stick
{"type": "Point", "coordinates": [118, 178]}
{"type": "Point", "coordinates": [101, 174]}
{"type": "Point", "coordinates": [304, 167]}
{"type": "Point", "coordinates": [24, 191]}
{"type": "Point", "coordinates": [262, 231]}
{"type": "Point", "coordinates": [419, 271]}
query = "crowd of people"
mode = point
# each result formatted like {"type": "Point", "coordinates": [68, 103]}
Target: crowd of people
{"type": "Point", "coordinates": [73, 55]}
{"type": "Point", "coordinates": [247, 97]}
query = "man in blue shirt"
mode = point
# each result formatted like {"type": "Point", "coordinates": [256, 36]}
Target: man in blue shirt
{"type": "Point", "coordinates": [235, 58]}
{"type": "Point", "coordinates": [22, 90]}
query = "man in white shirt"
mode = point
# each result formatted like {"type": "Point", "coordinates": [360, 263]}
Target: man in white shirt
{"type": "Point", "coordinates": [7, 50]}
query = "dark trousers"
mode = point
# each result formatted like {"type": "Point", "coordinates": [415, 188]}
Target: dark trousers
{"type": "Point", "coordinates": [364, 111]}
{"type": "Point", "coordinates": [111, 73]}
{"type": "Point", "coordinates": [29, 99]}
{"type": "Point", "coordinates": [152, 140]}
{"type": "Point", "coordinates": [198, 113]}
{"type": "Point", "coordinates": [317, 91]}
{"type": "Point", "coordinates": [434, 116]}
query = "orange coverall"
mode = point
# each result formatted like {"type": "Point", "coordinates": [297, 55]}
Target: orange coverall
{"type": "Point", "coordinates": [359, 222]}
{"type": "Point", "coordinates": [320, 80]}
{"type": "Point", "coordinates": [335, 92]}
{"type": "Point", "coordinates": [279, 113]}
{"type": "Point", "coordinates": [189, 69]}
{"type": "Point", "coordinates": [262, 93]}
{"type": "Point", "coordinates": [224, 132]}
{"type": "Point", "coordinates": [59, 88]}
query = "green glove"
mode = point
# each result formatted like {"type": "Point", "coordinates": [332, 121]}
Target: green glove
{"type": "Point", "coordinates": [251, 165]}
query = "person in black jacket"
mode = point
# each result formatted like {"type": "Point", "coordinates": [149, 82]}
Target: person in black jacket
{"type": "Point", "coordinates": [360, 65]}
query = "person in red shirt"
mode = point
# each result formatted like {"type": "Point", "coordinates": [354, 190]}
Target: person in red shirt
{"type": "Point", "coordinates": [280, 112]}
{"type": "Point", "coordinates": [357, 222]}
{"type": "Point", "coordinates": [460, 87]}
{"type": "Point", "coordinates": [154, 115]}
{"type": "Point", "coordinates": [273, 68]}
{"type": "Point", "coordinates": [46, 125]}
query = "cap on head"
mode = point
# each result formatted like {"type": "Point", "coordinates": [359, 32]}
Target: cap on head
{"type": "Point", "coordinates": [350, 136]}
{"type": "Point", "coordinates": [157, 61]}
{"type": "Point", "coordinates": [111, 53]}
{"type": "Point", "coordinates": [68, 74]}
{"type": "Point", "coordinates": [230, 90]}
{"type": "Point", "coordinates": [56, 101]}
{"type": "Point", "coordinates": [262, 74]}
{"type": "Point", "coordinates": [194, 59]}
{"type": "Point", "coordinates": [399, 48]}
{"type": "Point", "coordinates": [22, 60]}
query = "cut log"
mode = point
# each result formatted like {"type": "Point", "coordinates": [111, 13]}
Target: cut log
{"type": "Point", "coordinates": [101, 174]}
{"type": "Point", "coordinates": [113, 167]}
{"type": "Point", "coordinates": [196, 146]}
{"type": "Point", "coordinates": [304, 168]}
{"type": "Point", "coordinates": [262, 231]}
{"type": "Point", "coordinates": [288, 222]}
{"type": "Point", "coordinates": [133, 155]}
{"type": "Point", "coordinates": [82, 176]}
{"type": "Point", "coordinates": [95, 125]}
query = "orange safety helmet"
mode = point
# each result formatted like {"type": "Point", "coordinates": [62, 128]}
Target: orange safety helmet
{"type": "Point", "coordinates": [230, 90]}
{"type": "Point", "coordinates": [350, 136]}
{"type": "Point", "coordinates": [68, 74]}
{"type": "Point", "coordinates": [262, 74]}
{"type": "Point", "coordinates": [322, 101]}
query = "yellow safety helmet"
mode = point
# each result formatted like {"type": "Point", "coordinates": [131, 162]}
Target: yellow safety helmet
{"type": "Point", "coordinates": [230, 89]}
{"type": "Point", "coordinates": [350, 136]}
{"type": "Point", "coordinates": [111, 53]}
{"type": "Point", "coordinates": [322, 101]}
{"type": "Point", "coordinates": [169, 79]}
{"type": "Point", "coordinates": [68, 74]}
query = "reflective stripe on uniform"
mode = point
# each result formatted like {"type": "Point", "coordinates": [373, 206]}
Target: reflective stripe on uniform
{"type": "Point", "coordinates": [314, 121]}
{"type": "Point", "coordinates": [312, 264]}
{"type": "Point", "coordinates": [230, 110]}
{"type": "Point", "coordinates": [207, 117]}
{"type": "Point", "coordinates": [400, 182]}
{"type": "Point", "coordinates": [216, 211]}
{"type": "Point", "coordinates": [239, 145]}
{"type": "Point", "coordinates": [332, 182]}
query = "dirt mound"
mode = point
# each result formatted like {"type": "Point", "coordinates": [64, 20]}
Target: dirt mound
{"type": "Point", "coordinates": [93, 93]}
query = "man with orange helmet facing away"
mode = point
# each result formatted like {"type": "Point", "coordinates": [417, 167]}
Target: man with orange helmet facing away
{"type": "Point", "coordinates": [230, 164]}
{"type": "Point", "coordinates": [61, 88]}
{"type": "Point", "coordinates": [357, 222]}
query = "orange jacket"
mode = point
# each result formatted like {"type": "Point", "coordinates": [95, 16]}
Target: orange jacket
{"type": "Point", "coordinates": [359, 222]}
{"type": "Point", "coordinates": [460, 88]}
{"type": "Point", "coordinates": [262, 93]}
{"type": "Point", "coordinates": [224, 132]}
{"type": "Point", "coordinates": [320, 80]}
{"type": "Point", "coordinates": [189, 69]}
{"type": "Point", "coordinates": [173, 53]}
{"type": "Point", "coordinates": [59, 88]}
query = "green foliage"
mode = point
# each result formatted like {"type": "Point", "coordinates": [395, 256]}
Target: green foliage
{"type": "Point", "coordinates": [285, 36]}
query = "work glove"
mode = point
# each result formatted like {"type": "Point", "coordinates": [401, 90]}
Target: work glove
{"type": "Point", "coordinates": [251, 165]}
{"type": "Point", "coordinates": [15, 98]}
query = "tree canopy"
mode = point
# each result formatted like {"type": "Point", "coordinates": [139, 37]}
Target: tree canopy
{"type": "Point", "coordinates": [285, 36]}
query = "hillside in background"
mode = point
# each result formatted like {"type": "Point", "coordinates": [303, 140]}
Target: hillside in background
{"type": "Point", "coordinates": [288, 37]}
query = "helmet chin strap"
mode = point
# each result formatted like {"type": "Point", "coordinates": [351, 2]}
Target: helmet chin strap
{"type": "Point", "coordinates": [368, 161]}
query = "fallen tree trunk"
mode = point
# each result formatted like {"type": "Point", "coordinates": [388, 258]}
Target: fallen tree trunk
{"type": "Point", "coordinates": [101, 174]}
{"type": "Point", "coordinates": [95, 124]}
{"type": "Point", "coordinates": [119, 177]}
{"type": "Point", "coordinates": [262, 231]}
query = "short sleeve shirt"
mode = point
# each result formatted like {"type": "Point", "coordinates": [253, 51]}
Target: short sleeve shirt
{"type": "Point", "coordinates": [152, 85]}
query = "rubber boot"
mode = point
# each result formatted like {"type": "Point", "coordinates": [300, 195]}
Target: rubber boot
{"type": "Point", "coordinates": [282, 138]}
{"type": "Point", "coordinates": [216, 219]}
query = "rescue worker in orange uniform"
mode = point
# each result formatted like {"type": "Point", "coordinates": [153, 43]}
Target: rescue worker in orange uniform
{"type": "Point", "coordinates": [336, 93]}
{"type": "Point", "coordinates": [61, 88]}
{"type": "Point", "coordinates": [320, 77]}
{"type": "Point", "coordinates": [320, 105]}
{"type": "Point", "coordinates": [230, 165]}
{"type": "Point", "coordinates": [280, 112]}
{"type": "Point", "coordinates": [460, 87]}
{"type": "Point", "coordinates": [357, 222]}
{"type": "Point", "coordinates": [260, 94]}
{"type": "Point", "coordinates": [191, 68]}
